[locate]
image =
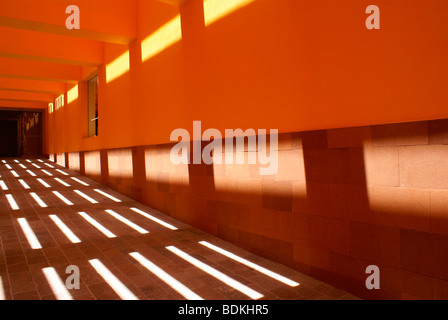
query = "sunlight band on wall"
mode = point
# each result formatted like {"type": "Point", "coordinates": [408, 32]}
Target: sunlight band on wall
{"type": "Point", "coordinates": [66, 230]}
{"type": "Point", "coordinates": [217, 274]}
{"type": "Point", "coordinates": [118, 67]}
{"type": "Point", "coordinates": [165, 277]}
{"type": "Point", "coordinates": [218, 9]}
{"type": "Point", "coordinates": [56, 284]}
{"type": "Point", "coordinates": [148, 216]}
{"type": "Point", "coordinates": [162, 38]}
{"type": "Point", "coordinates": [72, 94]}
{"type": "Point", "coordinates": [249, 264]}
{"type": "Point", "coordinates": [29, 234]}
{"type": "Point", "coordinates": [120, 289]}
{"type": "Point", "coordinates": [97, 225]}
{"type": "Point", "coordinates": [127, 222]}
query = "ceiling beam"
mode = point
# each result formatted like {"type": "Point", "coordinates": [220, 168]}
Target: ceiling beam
{"type": "Point", "coordinates": [32, 86]}
{"type": "Point", "coordinates": [173, 2]}
{"type": "Point", "coordinates": [22, 105]}
{"type": "Point", "coordinates": [26, 96]}
{"type": "Point", "coordinates": [37, 70]}
{"type": "Point", "coordinates": [103, 20]}
{"type": "Point", "coordinates": [24, 44]}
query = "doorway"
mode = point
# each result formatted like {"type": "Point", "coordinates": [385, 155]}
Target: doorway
{"type": "Point", "coordinates": [20, 133]}
{"type": "Point", "coordinates": [9, 138]}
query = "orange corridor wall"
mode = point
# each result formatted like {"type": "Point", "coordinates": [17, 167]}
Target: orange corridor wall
{"type": "Point", "coordinates": [343, 198]}
{"type": "Point", "coordinates": [290, 65]}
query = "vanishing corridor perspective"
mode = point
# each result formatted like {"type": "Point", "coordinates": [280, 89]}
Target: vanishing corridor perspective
{"type": "Point", "coordinates": [89, 119]}
{"type": "Point", "coordinates": [123, 250]}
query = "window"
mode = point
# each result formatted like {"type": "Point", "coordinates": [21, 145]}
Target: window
{"type": "Point", "coordinates": [93, 106]}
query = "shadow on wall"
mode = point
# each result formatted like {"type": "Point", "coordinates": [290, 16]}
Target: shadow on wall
{"type": "Point", "coordinates": [342, 199]}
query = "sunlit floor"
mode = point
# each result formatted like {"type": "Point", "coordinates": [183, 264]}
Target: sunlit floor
{"type": "Point", "coordinates": [52, 218]}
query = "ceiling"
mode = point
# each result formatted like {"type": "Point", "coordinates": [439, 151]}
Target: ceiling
{"type": "Point", "coordinates": [40, 58]}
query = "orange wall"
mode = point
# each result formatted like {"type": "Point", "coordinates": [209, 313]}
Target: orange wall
{"type": "Point", "coordinates": [286, 64]}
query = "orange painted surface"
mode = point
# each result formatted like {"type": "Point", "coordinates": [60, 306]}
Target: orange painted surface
{"type": "Point", "coordinates": [31, 96]}
{"type": "Point", "coordinates": [48, 47]}
{"type": "Point", "coordinates": [115, 17]}
{"type": "Point", "coordinates": [31, 85]}
{"type": "Point", "coordinates": [27, 105]}
{"type": "Point", "coordinates": [290, 65]}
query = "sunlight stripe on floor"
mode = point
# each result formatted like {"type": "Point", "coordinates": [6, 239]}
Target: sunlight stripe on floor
{"type": "Point", "coordinates": [59, 289]}
{"type": "Point", "coordinates": [48, 165]}
{"type": "Point", "coordinates": [3, 185]}
{"type": "Point", "coordinates": [40, 160]}
{"type": "Point", "coordinates": [2, 290]}
{"type": "Point", "coordinates": [29, 234]}
{"type": "Point", "coordinates": [217, 274]}
{"type": "Point", "coordinates": [47, 173]}
{"type": "Point", "coordinates": [249, 264]}
{"type": "Point", "coordinates": [97, 225]}
{"type": "Point", "coordinates": [38, 167]}
{"type": "Point", "coordinates": [85, 196]}
{"type": "Point", "coordinates": [62, 182]}
{"type": "Point", "coordinates": [66, 230]}
{"type": "Point", "coordinates": [107, 195]}
{"type": "Point", "coordinates": [123, 292]}
{"type": "Point", "coordinates": [28, 160]}
{"type": "Point", "coordinates": [22, 166]}
{"type": "Point", "coordinates": [14, 173]}
{"type": "Point", "coordinates": [38, 200]}
{"type": "Point", "coordinates": [12, 202]}
{"type": "Point", "coordinates": [60, 196]}
{"type": "Point", "coordinates": [165, 277]}
{"type": "Point", "coordinates": [31, 173]}
{"type": "Point", "coordinates": [46, 185]}
{"type": "Point", "coordinates": [8, 166]}
{"type": "Point", "coordinates": [64, 173]}
{"type": "Point", "coordinates": [148, 216]}
{"type": "Point", "coordinates": [24, 184]}
{"type": "Point", "coordinates": [127, 222]}
{"type": "Point", "coordinates": [79, 181]}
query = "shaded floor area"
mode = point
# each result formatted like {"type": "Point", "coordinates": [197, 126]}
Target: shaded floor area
{"type": "Point", "coordinates": [52, 218]}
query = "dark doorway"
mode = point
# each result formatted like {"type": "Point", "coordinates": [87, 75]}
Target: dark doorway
{"type": "Point", "coordinates": [20, 133]}
{"type": "Point", "coordinates": [9, 140]}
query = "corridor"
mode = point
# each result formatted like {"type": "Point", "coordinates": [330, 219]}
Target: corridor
{"type": "Point", "coordinates": [52, 218]}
